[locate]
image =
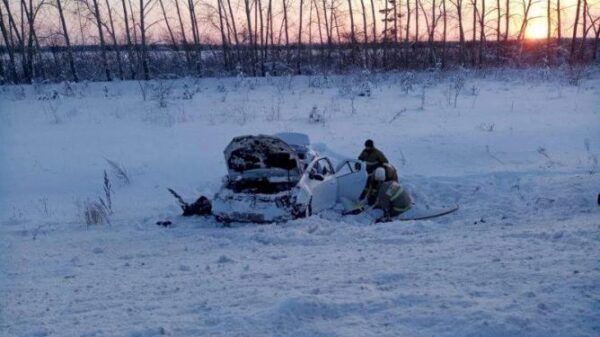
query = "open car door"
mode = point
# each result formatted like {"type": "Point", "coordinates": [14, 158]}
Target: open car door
{"type": "Point", "coordinates": [351, 175]}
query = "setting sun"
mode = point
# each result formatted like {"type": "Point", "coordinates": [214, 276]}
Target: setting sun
{"type": "Point", "coordinates": [536, 30]}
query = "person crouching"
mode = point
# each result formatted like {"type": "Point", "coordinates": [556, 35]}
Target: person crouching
{"type": "Point", "coordinates": [392, 198]}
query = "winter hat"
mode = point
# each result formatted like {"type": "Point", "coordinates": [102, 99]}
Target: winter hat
{"type": "Point", "coordinates": [380, 174]}
{"type": "Point", "coordinates": [369, 143]}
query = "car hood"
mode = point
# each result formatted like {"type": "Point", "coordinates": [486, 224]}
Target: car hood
{"type": "Point", "coordinates": [261, 155]}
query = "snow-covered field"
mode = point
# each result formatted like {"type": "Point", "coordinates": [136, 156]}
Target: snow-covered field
{"type": "Point", "coordinates": [519, 152]}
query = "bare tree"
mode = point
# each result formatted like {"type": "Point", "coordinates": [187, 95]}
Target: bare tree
{"type": "Point", "coordinates": [575, 27]}
{"type": "Point", "coordinates": [558, 21]}
{"type": "Point", "coordinates": [525, 20]}
{"type": "Point", "coordinates": [507, 20]}
{"type": "Point", "coordinates": [250, 35]}
{"type": "Point", "coordinates": [595, 25]}
{"type": "Point", "coordinates": [374, 17]}
{"type": "Point", "coordinates": [9, 43]}
{"type": "Point", "coordinates": [63, 24]}
{"type": "Point", "coordinates": [131, 60]}
{"type": "Point", "coordinates": [417, 7]}
{"type": "Point", "coordinates": [364, 19]}
{"type": "Point", "coordinates": [408, 15]}
{"type": "Point", "coordinates": [444, 33]}
{"type": "Point", "coordinates": [224, 40]}
{"type": "Point", "coordinates": [168, 25]}
{"type": "Point", "coordinates": [548, 22]}
{"type": "Point", "coordinates": [195, 35]}
{"type": "Point", "coordinates": [111, 31]}
{"type": "Point", "coordinates": [287, 30]}
{"type": "Point", "coordinates": [482, 32]}
{"type": "Point", "coordinates": [461, 30]}
{"type": "Point", "coordinates": [584, 30]}
{"type": "Point", "coordinates": [498, 21]}
{"type": "Point", "coordinates": [298, 56]}
{"type": "Point", "coordinates": [98, 17]}
{"type": "Point", "coordinates": [351, 13]}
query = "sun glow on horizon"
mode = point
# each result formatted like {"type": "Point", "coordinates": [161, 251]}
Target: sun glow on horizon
{"type": "Point", "coordinates": [536, 30]}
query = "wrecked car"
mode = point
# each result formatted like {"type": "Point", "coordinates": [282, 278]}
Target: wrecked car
{"type": "Point", "coordinates": [279, 178]}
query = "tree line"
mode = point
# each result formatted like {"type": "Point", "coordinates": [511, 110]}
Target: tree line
{"type": "Point", "coordinates": [144, 39]}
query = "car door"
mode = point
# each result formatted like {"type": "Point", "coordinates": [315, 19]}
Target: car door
{"type": "Point", "coordinates": [322, 184]}
{"type": "Point", "coordinates": [351, 176]}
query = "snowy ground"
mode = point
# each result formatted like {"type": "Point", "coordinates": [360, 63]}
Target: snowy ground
{"type": "Point", "coordinates": [519, 153]}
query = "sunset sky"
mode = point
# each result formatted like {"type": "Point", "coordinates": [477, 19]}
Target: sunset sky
{"type": "Point", "coordinates": [83, 29]}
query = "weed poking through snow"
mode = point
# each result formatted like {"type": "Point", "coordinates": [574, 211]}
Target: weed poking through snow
{"type": "Point", "coordinates": [119, 171]}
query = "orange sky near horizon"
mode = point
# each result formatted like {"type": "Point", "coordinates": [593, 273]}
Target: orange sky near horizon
{"type": "Point", "coordinates": [84, 30]}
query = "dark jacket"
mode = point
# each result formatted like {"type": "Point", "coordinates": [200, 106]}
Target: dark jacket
{"type": "Point", "coordinates": [373, 157]}
{"type": "Point", "coordinates": [393, 199]}
{"type": "Point", "coordinates": [390, 173]}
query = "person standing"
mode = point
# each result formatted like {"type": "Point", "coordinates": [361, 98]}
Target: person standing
{"type": "Point", "coordinates": [372, 156]}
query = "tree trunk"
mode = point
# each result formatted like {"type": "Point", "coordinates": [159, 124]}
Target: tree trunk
{"type": "Point", "coordinates": [374, 17]}
{"type": "Point", "coordinates": [114, 38]}
{"type": "Point", "coordinates": [352, 34]}
{"type": "Point", "coordinates": [365, 34]}
{"type": "Point", "coordinates": [364, 18]}
{"type": "Point", "coordinates": [395, 10]}
{"type": "Point", "coordinates": [575, 27]}
{"type": "Point", "coordinates": [408, 15]}
{"type": "Point", "coordinates": [549, 23]}
{"type": "Point", "coordinates": [262, 39]}
{"type": "Point", "coordinates": [129, 45]}
{"type": "Point", "coordinates": [482, 33]}
{"type": "Point", "coordinates": [444, 34]}
{"type": "Point", "coordinates": [584, 31]}
{"type": "Point", "coordinates": [233, 25]}
{"type": "Point", "coordinates": [224, 41]}
{"type": "Point", "coordinates": [298, 53]}
{"type": "Point", "coordinates": [9, 47]}
{"type": "Point", "coordinates": [287, 29]}
{"type": "Point", "coordinates": [507, 20]}
{"type": "Point", "coordinates": [461, 32]}
{"type": "Point", "coordinates": [558, 23]}
{"type": "Point", "coordinates": [67, 41]}
{"type": "Point", "coordinates": [101, 36]}
{"type": "Point", "coordinates": [169, 30]}
{"type": "Point", "coordinates": [145, 67]}
{"type": "Point", "coordinates": [196, 36]}
{"type": "Point", "coordinates": [417, 6]}
{"type": "Point", "coordinates": [249, 26]}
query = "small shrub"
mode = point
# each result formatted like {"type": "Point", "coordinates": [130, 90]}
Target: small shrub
{"type": "Point", "coordinates": [95, 212]}
{"type": "Point", "coordinates": [161, 92]}
{"type": "Point", "coordinates": [49, 96]}
{"type": "Point", "coordinates": [592, 158]}
{"type": "Point", "coordinates": [407, 82]}
{"type": "Point", "coordinates": [364, 89]}
{"type": "Point", "coordinates": [119, 171]}
{"type": "Point", "coordinates": [315, 116]}
{"type": "Point", "coordinates": [188, 93]}
{"type": "Point", "coordinates": [457, 86]}
{"type": "Point", "coordinates": [107, 192]}
{"type": "Point", "coordinates": [319, 82]}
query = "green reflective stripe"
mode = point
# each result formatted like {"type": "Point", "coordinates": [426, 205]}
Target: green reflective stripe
{"type": "Point", "coordinates": [397, 194]}
{"type": "Point", "coordinates": [401, 209]}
